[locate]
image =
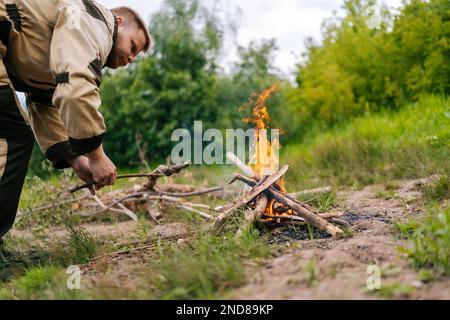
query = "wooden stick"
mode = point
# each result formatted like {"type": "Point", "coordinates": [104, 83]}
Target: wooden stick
{"type": "Point", "coordinates": [311, 191]}
{"type": "Point", "coordinates": [189, 194]}
{"type": "Point", "coordinates": [246, 169]}
{"type": "Point", "coordinates": [329, 215]}
{"type": "Point", "coordinates": [252, 215]}
{"type": "Point", "coordinates": [258, 188]}
{"type": "Point", "coordinates": [141, 246]}
{"type": "Point", "coordinates": [161, 171]}
{"type": "Point", "coordinates": [301, 209]}
{"type": "Point", "coordinates": [51, 206]}
{"type": "Point", "coordinates": [156, 195]}
{"type": "Point", "coordinates": [164, 171]}
{"type": "Point", "coordinates": [340, 222]}
{"type": "Point", "coordinates": [148, 246]}
{"type": "Point", "coordinates": [123, 209]}
{"type": "Point", "coordinates": [286, 217]}
{"type": "Point", "coordinates": [202, 214]}
{"type": "Point", "coordinates": [277, 222]}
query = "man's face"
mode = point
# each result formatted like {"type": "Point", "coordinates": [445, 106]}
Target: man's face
{"type": "Point", "coordinates": [130, 42]}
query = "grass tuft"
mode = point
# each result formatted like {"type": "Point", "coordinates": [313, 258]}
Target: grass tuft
{"type": "Point", "coordinates": [430, 239]}
{"type": "Point", "coordinates": [207, 267]}
{"type": "Point", "coordinates": [77, 248]}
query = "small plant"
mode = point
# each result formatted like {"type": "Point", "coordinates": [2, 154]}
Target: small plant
{"type": "Point", "coordinates": [311, 273]}
{"type": "Point", "coordinates": [395, 290]}
{"type": "Point", "coordinates": [429, 239]}
{"type": "Point", "coordinates": [207, 267]}
{"type": "Point", "coordinates": [385, 194]}
{"type": "Point", "coordinates": [323, 202]}
{"type": "Point", "coordinates": [40, 205]}
{"type": "Point", "coordinates": [77, 248]}
{"type": "Point", "coordinates": [40, 282]}
{"type": "Point", "coordinates": [438, 190]}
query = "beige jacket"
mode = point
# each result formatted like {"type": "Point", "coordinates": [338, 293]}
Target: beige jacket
{"type": "Point", "coordinates": [54, 51]}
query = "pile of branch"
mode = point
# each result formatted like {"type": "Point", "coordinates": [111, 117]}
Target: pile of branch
{"type": "Point", "coordinates": [124, 201]}
{"type": "Point", "coordinates": [263, 191]}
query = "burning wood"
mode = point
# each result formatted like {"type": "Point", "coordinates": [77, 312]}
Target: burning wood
{"type": "Point", "coordinates": [295, 210]}
{"type": "Point", "coordinates": [268, 194]}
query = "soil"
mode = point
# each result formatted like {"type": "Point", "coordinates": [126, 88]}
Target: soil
{"type": "Point", "coordinates": [326, 268]}
{"type": "Point", "coordinates": [321, 268]}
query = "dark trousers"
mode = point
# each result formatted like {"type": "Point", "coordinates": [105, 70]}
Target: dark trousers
{"type": "Point", "coordinates": [16, 145]}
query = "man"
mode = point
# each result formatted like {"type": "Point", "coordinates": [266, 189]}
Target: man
{"type": "Point", "coordinates": [54, 51]}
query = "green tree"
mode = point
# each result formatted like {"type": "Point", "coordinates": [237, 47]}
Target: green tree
{"type": "Point", "coordinates": [170, 88]}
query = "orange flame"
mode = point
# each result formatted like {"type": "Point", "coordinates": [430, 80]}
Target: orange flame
{"type": "Point", "coordinates": [264, 160]}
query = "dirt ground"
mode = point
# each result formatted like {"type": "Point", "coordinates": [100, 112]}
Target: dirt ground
{"type": "Point", "coordinates": [306, 269]}
{"type": "Point", "coordinates": [338, 269]}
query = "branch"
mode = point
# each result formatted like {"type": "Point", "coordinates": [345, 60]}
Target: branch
{"type": "Point", "coordinates": [258, 188]}
{"type": "Point", "coordinates": [300, 208]}
{"type": "Point", "coordinates": [311, 191]}
{"type": "Point", "coordinates": [123, 209]}
{"type": "Point", "coordinates": [161, 171]}
{"type": "Point", "coordinates": [252, 215]}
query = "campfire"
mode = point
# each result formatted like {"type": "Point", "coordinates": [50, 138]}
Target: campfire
{"type": "Point", "coordinates": [268, 202]}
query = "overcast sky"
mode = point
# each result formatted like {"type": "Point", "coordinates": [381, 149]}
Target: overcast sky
{"type": "Point", "coordinates": [290, 22]}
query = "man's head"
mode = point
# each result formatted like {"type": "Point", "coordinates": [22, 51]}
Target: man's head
{"type": "Point", "coordinates": [132, 37]}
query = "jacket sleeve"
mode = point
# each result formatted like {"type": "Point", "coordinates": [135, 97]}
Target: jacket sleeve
{"type": "Point", "coordinates": [76, 53]}
{"type": "Point", "coordinates": [50, 133]}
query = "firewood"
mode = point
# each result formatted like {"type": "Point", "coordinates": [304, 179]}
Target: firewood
{"type": "Point", "coordinates": [190, 194]}
{"type": "Point", "coordinates": [301, 209]}
{"type": "Point", "coordinates": [311, 191]}
{"type": "Point", "coordinates": [258, 188]}
{"type": "Point", "coordinates": [252, 215]}
{"type": "Point", "coordinates": [329, 215]}
{"type": "Point", "coordinates": [340, 222]}
{"type": "Point", "coordinates": [278, 221]}
{"type": "Point", "coordinates": [176, 188]}
{"type": "Point", "coordinates": [164, 171]}
{"type": "Point", "coordinates": [154, 212]}
{"type": "Point", "coordinates": [122, 209]}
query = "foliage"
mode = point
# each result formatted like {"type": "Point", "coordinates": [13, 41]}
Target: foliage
{"type": "Point", "coordinates": [358, 70]}
{"type": "Point", "coordinates": [430, 239]}
{"type": "Point", "coordinates": [78, 247]}
{"type": "Point", "coordinates": [180, 82]}
{"type": "Point", "coordinates": [170, 88]}
{"type": "Point", "coordinates": [411, 143]}
{"type": "Point", "coordinates": [209, 265]}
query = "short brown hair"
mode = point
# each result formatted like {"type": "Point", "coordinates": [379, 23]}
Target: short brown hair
{"type": "Point", "coordinates": [131, 14]}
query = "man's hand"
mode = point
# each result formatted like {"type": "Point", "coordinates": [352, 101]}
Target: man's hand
{"type": "Point", "coordinates": [82, 169]}
{"type": "Point", "coordinates": [103, 170]}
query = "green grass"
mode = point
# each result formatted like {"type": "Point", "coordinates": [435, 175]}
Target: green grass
{"type": "Point", "coordinates": [438, 190]}
{"type": "Point", "coordinates": [205, 268]}
{"type": "Point", "coordinates": [429, 238]}
{"type": "Point", "coordinates": [411, 143]}
{"type": "Point", "coordinates": [311, 272]}
{"type": "Point", "coordinates": [40, 282]}
{"type": "Point", "coordinates": [394, 290]}
{"type": "Point", "coordinates": [78, 247]}
{"type": "Point", "coordinates": [323, 201]}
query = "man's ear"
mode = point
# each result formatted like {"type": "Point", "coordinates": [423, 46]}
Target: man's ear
{"type": "Point", "coordinates": [120, 20]}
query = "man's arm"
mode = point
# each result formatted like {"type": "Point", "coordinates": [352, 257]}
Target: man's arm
{"type": "Point", "coordinates": [76, 52]}
{"type": "Point", "coordinates": [53, 140]}
{"type": "Point", "coordinates": [50, 132]}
